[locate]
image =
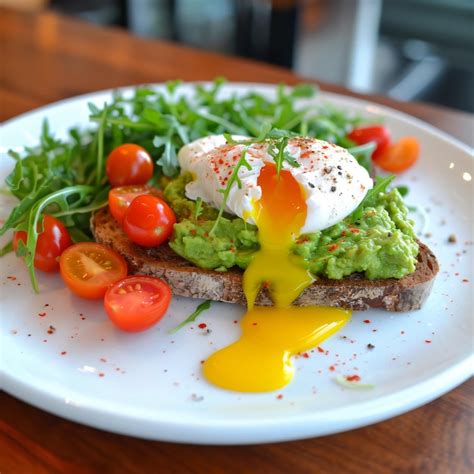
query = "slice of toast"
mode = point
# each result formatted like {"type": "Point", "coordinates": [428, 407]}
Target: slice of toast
{"type": "Point", "coordinates": [354, 292]}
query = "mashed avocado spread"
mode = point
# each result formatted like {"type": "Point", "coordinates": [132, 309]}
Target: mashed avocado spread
{"type": "Point", "coordinates": [380, 244]}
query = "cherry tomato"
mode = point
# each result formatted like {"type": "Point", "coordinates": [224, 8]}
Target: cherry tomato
{"type": "Point", "coordinates": [129, 164]}
{"type": "Point", "coordinates": [121, 197]}
{"type": "Point", "coordinates": [148, 221]}
{"type": "Point", "coordinates": [137, 302]}
{"type": "Point", "coordinates": [372, 133]}
{"type": "Point", "coordinates": [88, 269]}
{"type": "Point", "coordinates": [400, 156]}
{"type": "Point", "coordinates": [51, 243]}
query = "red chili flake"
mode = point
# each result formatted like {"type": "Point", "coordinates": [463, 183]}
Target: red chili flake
{"type": "Point", "coordinates": [265, 285]}
{"type": "Point", "coordinates": [353, 378]}
{"type": "Point", "coordinates": [303, 239]}
{"type": "Point", "coordinates": [51, 330]}
{"type": "Point", "coordinates": [11, 277]}
{"type": "Point", "coordinates": [320, 349]}
{"type": "Point", "coordinates": [332, 368]}
{"type": "Point", "coordinates": [202, 326]}
{"type": "Point", "coordinates": [41, 315]}
{"type": "Point", "coordinates": [46, 305]}
{"type": "Point", "coordinates": [332, 247]}
{"type": "Point", "coordinates": [279, 396]}
{"type": "Point", "coordinates": [354, 230]}
{"type": "Point", "coordinates": [254, 324]}
{"type": "Point", "coordinates": [101, 374]}
{"type": "Point", "coordinates": [63, 353]}
{"type": "Point", "coordinates": [305, 355]}
{"type": "Point", "coordinates": [192, 232]}
{"type": "Point", "coordinates": [427, 341]}
{"type": "Point", "coordinates": [367, 321]}
{"type": "Point", "coordinates": [235, 321]}
{"type": "Point", "coordinates": [202, 362]}
{"type": "Point", "coordinates": [465, 280]}
{"type": "Point", "coordinates": [343, 233]}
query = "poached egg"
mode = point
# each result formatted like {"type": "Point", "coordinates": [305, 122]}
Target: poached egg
{"type": "Point", "coordinates": [332, 181]}
{"type": "Point", "coordinates": [326, 187]}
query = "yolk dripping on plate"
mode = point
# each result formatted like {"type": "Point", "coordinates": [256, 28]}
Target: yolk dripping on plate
{"type": "Point", "coordinates": [261, 359]}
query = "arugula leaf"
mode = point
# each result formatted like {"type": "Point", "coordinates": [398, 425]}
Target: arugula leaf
{"type": "Point", "coordinates": [7, 248]}
{"type": "Point", "coordinates": [198, 208]}
{"type": "Point", "coordinates": [193, 316]}
{"type": "Point", "coordinates": [380, 186]}
{"type": "Point", "coordinates": [403, 190]}
{"type": "Point", "coordinates": [234, 178]}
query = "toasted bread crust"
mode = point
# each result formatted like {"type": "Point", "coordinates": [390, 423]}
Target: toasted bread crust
{"type": "Point", "coordinates": [354, 292]}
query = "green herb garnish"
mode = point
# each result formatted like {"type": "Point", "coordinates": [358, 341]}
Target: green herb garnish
{"type": "Point", "coordinates": [198, 208]}
{"type": "Point", "coordinates": [234, 178]}
{"type": "Point", "coordinates": [380, 186]}
{"type": "Point", "coordinates": [193, 316]}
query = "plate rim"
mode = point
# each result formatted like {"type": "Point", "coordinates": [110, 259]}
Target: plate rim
{"type": "Point", "coordinates": [295, 427]}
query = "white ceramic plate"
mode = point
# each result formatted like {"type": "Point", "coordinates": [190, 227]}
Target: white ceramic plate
{"type": "Point", "coordinates": [150, 384]}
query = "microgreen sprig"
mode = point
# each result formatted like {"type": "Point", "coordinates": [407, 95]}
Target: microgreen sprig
{"type": "Point", "coordinates": [205, 305]}
{"type": "Point", "coordinates": [234, 178]}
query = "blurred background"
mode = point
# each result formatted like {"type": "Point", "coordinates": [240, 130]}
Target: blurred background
{"type": "Point", "coordinates": [406, 49]}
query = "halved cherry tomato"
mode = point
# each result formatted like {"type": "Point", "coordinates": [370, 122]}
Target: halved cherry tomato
{"type": "Point", "coordinates": [148, 221]}
{"type": "Point", "coordinates": [129, 164]}
{"type": "Point", "coordinates": [51, 243]}
{"type": "Point", "coordinates": [88, 269]}
{"type": "Point", "coordinates": [400, 156]}
{"type": "Point", "coordinates": [137, 302]}
{"type": "Point", "coordinates": [372, 133]}
{"type": "Point", "coordinates": [121, 197]}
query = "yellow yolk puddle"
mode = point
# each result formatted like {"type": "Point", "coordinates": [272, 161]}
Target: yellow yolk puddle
{"type": "Point", "coordinates": [261, 359]}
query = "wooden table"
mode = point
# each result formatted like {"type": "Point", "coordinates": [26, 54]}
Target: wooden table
{"type": "Point", "coordinates": [46, 58]}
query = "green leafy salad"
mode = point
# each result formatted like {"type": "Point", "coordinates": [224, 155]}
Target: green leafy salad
{"type": "Point", "coordinates": [66, 178]}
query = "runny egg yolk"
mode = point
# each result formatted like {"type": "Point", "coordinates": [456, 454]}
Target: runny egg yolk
{"type": "Point", "coordinates": [261, 359]}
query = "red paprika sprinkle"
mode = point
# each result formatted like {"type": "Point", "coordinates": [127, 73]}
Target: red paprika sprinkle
{"type": "Point", "coordinates": [332, 368]}
{"type": "Point", "coordinates": [332, 247]}
{"type": "Point", "coordinates": [202, 326]}
{"type": "Point", "coordinates": [279, 396]}
{"type": "Point", "coordinates": [320, 349]}
{"type": "Point", "coordinates": [367, 321]}
{"type": "Point", "coordinates": [427, 341]}
{"type": "Point", "coordinates": [63, 353]}
{"type": "Point", "coordinates": [353, 378]}
{"type": "Point", "coordinates": [41, 315]}
{"type": "Point", "coordinates": [305, 355]}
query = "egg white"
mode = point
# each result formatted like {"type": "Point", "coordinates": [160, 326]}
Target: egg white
{"type": "Point", "coordinates": [332, 180]}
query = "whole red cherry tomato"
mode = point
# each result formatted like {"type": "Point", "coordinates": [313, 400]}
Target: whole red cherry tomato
{"type": "Point", "coordinates": [51, 243]}
{"type": "Point", "coordinates": [148, 221]}
{"type": "Point", "coordinates": [129, 164]}
{"type": "Point", "coordinates": [373, 133]}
